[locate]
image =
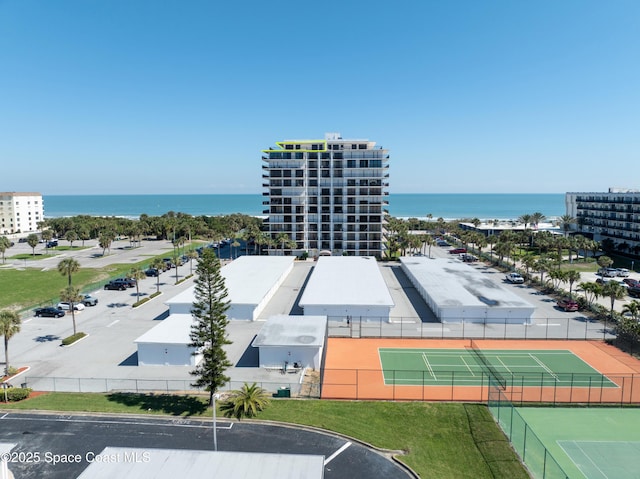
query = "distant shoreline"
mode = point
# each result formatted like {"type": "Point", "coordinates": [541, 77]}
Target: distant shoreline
{"type": "Point", "coordinates": [449, 206]}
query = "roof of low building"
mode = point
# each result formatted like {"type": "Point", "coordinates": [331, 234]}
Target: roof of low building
{"type": "Point", "coordinates": [348, 281]}
{"type": "Point", "coordinates": [283, 330]}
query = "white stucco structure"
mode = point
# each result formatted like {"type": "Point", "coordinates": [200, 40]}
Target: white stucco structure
{"type": "Point", "coordinates": [134, 463]}
{"type": "Point", "coordinates": [168, 343]}
{"type": "Point", "coordinates": [347, 286]}
{"type": "Point", "coordinates": [457, 292]}
{"type": "Point", "coordinates": [20, 212]}
{"type": "Point", "coordinates": [294, 340]}
{"type": "Point", "coordinates": [251, 282]}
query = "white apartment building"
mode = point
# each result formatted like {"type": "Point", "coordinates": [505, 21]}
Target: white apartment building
{"type": "Point", "coordinates": [20, 212]}
{"type": "Point", "coordinates": [613, 215]}
{"type": "Point", "coordinates": [326, 195]}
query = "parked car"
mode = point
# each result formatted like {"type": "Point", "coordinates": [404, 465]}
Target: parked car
{"type": "Point", "coordinates": [608, 272]}
{"type": "Point", "coordinates": [442, 243]}
{"type": "Point", "coordinates": [127, 282]}
{"type": "Point", "coordinates": [151, 272]}
{"type": "Point", "coordinates": [115, 286]}
{"type": "Point", "coordinates": [568, 304]}
{"type": "Point", "coordinates": [457, 250]}
{"type": "Point", "coordinates": [604, 281]}
{"type": "Point", "coordinates": [49, 312]}
{"type": "Point", "coordinates": [52, 244]}
{"type": "Point", "coordinates": [622, 272]}
{"type": "Point", "coordinates": [168, 262]}
{"type": "Point", "coordinates": [514, 278]}
{"type": "Point", "coordinates": [634, 291]}
{"type": "Point", "coordinates": [468, 258]}
{"type": "Point", "coordinates": [632, 283]}
{"type": "Point", "coordinates": [66, 306]}
{"type": "Point", "coordinates": [89, 300]}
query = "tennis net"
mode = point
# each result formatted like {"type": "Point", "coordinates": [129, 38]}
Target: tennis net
{"type": "Point", "coordinates": [500, 379]}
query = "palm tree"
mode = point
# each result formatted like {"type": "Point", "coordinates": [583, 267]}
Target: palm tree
{"type": "Point", "coordinates": [32, 240]}
{"type": "Point", "coordinates": [5, 244]}
{"type": "Point", "coordinates": [191, 254]}
{"type": "Point", "coordinates": [246, 402]}
{"type": "Point", "coordinates": [614, 290]}
{"type": "Point", "coordinates": [525, 220]}
{"type": "Point", "coordinates": [633, 308]}
{"type": "Point", "coordinates": [158, 265]}
{"type": "Point", "coordinates": [67, 267]}
{"type": "Point", "coordinates": [537, 218]}
{"type": "Point", "coordinates": [282, 239]}
{"type": "Point", "coordinates": [9, 326]}
{"type": "Point", "coordinates": [591, 291]}
{"type": "Point", "coordinates": [71, 236]}
{"type": "Point", "coordinates": [137, 274]}
{"type": "Point", "coordinates": [572, 276]}
{"type": "Point", "coordinates": [71, 295]}
{"type": "Point", "coordinates": [565, 222]}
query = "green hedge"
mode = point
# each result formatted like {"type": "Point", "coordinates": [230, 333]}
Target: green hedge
{"type": "Point", "coordinates": [73, 338]}
{"type": "Point", "coordinates": [15, 394]}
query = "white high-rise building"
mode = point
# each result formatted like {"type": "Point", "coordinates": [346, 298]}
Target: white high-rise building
{"type": "Point", "coordinates": [326, 195]}
{"type": "Point", "coordinates": [20, 212]}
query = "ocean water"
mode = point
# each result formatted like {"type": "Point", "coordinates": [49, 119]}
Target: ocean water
{"type": "Point", "coordinates": [447, 206]}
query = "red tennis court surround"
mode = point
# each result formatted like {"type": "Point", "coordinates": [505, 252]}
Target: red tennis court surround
{"type": "Point", "coordinates": [353, 370]}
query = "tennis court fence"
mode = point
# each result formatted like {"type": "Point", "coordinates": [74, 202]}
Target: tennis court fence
{"type": "Point", "coordinates": [581, 328]}
{"type": "Point", "coordinates": [529, 447]}
{"type": "Point", "coordinates": [520, 388]}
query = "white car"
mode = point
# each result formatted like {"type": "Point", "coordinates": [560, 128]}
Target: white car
{"type": "Point", "coordinates": [622, 272]}
{"type": "Point", "coordinates": [514, 278]}
{"type": "Point", "coordinates": [65, 306]}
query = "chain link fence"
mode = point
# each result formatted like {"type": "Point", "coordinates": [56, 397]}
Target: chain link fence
{"type": "Point", "coordinates": [582, 328]}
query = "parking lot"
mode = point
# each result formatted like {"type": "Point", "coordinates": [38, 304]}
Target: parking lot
{"type": "Point", "coordinates": [107, 359]}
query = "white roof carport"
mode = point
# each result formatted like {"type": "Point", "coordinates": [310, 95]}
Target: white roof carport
{"type": "Point", "coordinates": [457, 292]}
{"type": "Point", "coordinates": [251, 281]}
{"type": "Point", "coordinates": [343, 286]}
{"type": "Point", "coordinates": [133, 463]}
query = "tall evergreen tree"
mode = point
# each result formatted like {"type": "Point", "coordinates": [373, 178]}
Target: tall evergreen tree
{"type": "Point", "coordinates": [208, 333]}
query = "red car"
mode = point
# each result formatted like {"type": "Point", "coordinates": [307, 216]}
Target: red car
{"type": "Point", "coordinates": [457, 251]}
{"type": "Point", "coordinates": [568, 304]}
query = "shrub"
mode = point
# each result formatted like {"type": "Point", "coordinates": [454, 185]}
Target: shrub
{"type": "Point", "coordinates": [73, 338]}
{"type": "Point", "coordinates": [12, 371]}
{"type": "Point", "coordinates": [16, 394]}
{"type": "Point", "coordinates": [140, 302]}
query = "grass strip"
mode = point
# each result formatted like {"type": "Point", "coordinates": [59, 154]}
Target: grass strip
{"type": "Point", "coordinates": [439, 440]}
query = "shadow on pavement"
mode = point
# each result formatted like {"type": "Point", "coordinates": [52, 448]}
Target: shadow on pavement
{"type": "Point", "coordinates": [131, 360]}
{"type": "Point", "coordinates": [165, 403]}
{"type": "Point", "coordinates": [47, 338]}
{"type": "Point", "coordinates": [250, 358]}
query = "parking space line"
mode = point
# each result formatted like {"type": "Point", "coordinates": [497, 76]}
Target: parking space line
{"type": "Point", "coordinates": [112, 323]}
{"type": "Point", "coordinates": [337, 453]}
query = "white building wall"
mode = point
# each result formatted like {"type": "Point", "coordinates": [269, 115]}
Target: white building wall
{"type": "Point", "coordinates": [275, 356]}
{"type": "Point", "coordinates": [20, 212]}
{"type": "Point", "coordinates": [157, 354]}
{"type": "Point", "coordinates": [341, 312]}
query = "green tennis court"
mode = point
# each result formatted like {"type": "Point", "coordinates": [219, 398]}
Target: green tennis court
{"type": "Point", "coordinates": [593, 443]}
{"type": "Point", "coordinates": [441, 367]}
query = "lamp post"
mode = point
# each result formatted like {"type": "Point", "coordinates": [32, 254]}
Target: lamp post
{"type": "Point", "coordinates": [215, 436]}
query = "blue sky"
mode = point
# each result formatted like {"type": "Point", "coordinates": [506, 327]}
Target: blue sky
{"type": "Point", "coordinates": [164, 96]}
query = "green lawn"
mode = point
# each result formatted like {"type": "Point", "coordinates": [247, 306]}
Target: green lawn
{"type": "Point", "coordinates": [439, 440]}
{"type": "Point", "coordinates": [31, 286]}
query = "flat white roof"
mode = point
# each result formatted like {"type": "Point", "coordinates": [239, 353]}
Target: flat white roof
{"type": "Point", "coordinates": [174, 329]}
{"type": "Point", "coordinates": [348, 281]}
{"type": "Point", "coordinates": [248, 279]}
{"type": "Point", "coordinates": [283, 330]}
{"type": "Point", "coordinates": [454, 284]}
{"type": "Point", "coordinates": [133, 463]}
